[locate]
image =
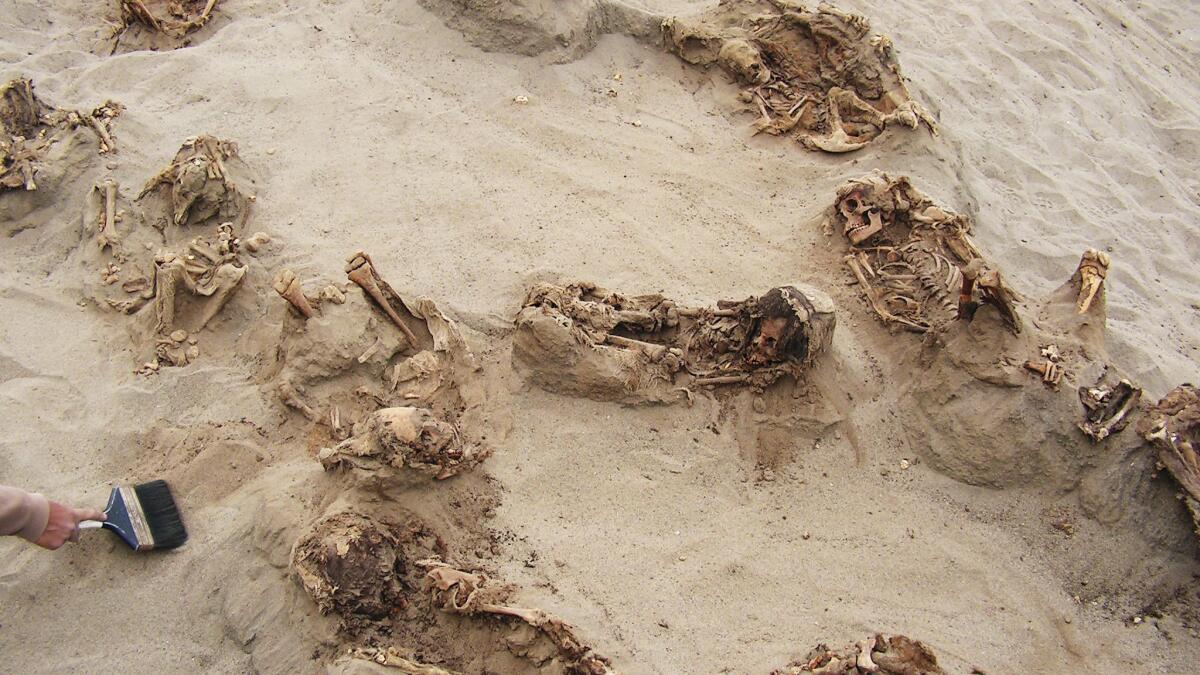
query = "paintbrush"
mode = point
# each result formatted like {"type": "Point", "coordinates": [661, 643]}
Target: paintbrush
{"type": "Point", "coordinates": [143, 516]}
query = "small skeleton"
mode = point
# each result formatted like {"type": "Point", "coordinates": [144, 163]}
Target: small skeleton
{"type": "Point", "coordinates": [160, 24]}
{"type": "Point", "coordinates": [405, 438]}
{"type": "Point", "coordinates": [821, 77]}
{"type": "Point", "coordinates": [198, 186]}
{"type": "Point", "coordinates": [885, 654]}
{"type": "Point", "coordinates": [29, 127]}
{"type": "Point", "coordinates": [914, 260]}
{"type": "Point", "coordinates": [584, 340]}
{"type": "Point", "coordinates": [208, 270]}
{"type": "Point", "coordinates": [467, 593]}
{"type": "Point", "coordinates": [1108, 410]}
{"type": "Point", "coordinates": [1172, 426]}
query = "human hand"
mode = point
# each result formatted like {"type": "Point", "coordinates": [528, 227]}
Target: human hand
{"type": "Point", "coordinates": [63, 525]}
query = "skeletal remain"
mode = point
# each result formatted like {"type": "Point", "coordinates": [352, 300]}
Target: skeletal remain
{"type": "Point", "coordinates": [361, 271]}
{"type": "Point", "coordinates": [288, 286]}
{"type": "Point", "coordinates": [607, 345]}
{"type": "Point", "coordinates": [28, 128]}
{"type": "Point", "coordinates": [819, 77]}
{"type": "Point", "coordinates": [203, 272]}
{"type": "Point", "coordinates": [1108, 410]}
{"type": "Point", "coordinates": [1050, 371]}
{"type": "Point", "coordinates": [1093, 269]}
{"type": "Point", "coordinates": [886, 654]}
{"type": "Point", "coordinates": [458, 592]}
{"type": "Point", "coordinates": [1172, 426]}
{"type": "Point", "coordinates": [404, 438]}
{"type": "Point", "coordinates": [914, 260]}
{"type": "Point", "coordinates": [198, 183]}
{"type": "Point", "coordinates": [106, 235]}
{"type": "Point", "coordinates": [171, 21]}
{"type": "Point", "coordinates": [390, 657]}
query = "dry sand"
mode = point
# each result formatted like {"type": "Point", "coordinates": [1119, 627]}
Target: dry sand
{"type": "Point", "coordinates": [656, 531]}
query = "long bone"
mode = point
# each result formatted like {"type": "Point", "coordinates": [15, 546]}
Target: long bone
{"type": "Point", "coordinates": [288, 286]}
{"type": "Point", "coordinates": [361, 271]}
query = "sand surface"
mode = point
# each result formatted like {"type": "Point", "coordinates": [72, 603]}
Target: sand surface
{"type": "Point", "coordinates": [655, 531]}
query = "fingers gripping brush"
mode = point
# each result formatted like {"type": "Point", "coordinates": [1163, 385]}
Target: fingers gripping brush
{"type": "Point", "coordinates": [144, 516]}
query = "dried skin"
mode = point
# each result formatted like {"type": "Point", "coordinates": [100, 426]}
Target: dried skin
{"type": "Point", "coordinates": [468, 593]}
{"type": "Point", "coordinates": [822, 78]}
{"type": "Point", "coordinates": [197, 185]}
{"type": "Point", "coordinates": [887, 654]}
{"type": "Point", "coordinates": [404, 438]}
{"type": "Point", "coordinates": [356, 566]}
{"type": "Point", "coordinates": [1172, 426]}
{"type": "Point", "coordinates": [584, 340]}
{"type": "Point", "coordinates": [915, 260]}
{"type": "Point", "coordinates": [31, 126]}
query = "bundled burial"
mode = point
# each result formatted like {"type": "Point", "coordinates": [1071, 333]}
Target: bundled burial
{"type": "Point", "coordinates": [178, 246]}
{"type": "Point", "coordinates": [360, 357]}
{"type": "Point", "coordinates": [389, 585]}
{"type": "Point", "coordinates": [822, 78]}
{"type": "Point", "coordinates": [42, 146]}
{"type": "Point", "coordinates": [886, 654]}
{"type": "Point", "coordinates": [585, 341]}
{"type": "Point", "coordinates": [160, 24]}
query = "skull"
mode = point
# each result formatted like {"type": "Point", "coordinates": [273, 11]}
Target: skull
{"type": "Point", "coordinates": [744, 61]}
{"type": "Point", "coordinates": [781, 327]}
{"type": "Point", "coordinates": [862, 220]}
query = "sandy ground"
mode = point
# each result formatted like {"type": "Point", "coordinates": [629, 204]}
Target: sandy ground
{"type": "Point", "coordinates": [372, 125]}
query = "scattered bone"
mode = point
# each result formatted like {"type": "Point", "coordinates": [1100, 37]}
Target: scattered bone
{"type": "Point", "coordinates": [333, 294]}
{"type": "Point", "coordinates": [361, 271]}
{"type": "Point", "coordinates": [914, 260]}
{"type": "Point", "coordinates": [1092, 271]}
{"type": "Point", "coordinates": [288, 286]}
{"type": "Point", "coordinates": [404, 438]}
{"type": "Point", "coordinates": [467, 593]}
{"type": "Point", "coordinates": [819, 77]}
{"type": "Point", "coordinates": [202, 272]}
{"type": "Point", "coordinates": [886, 654]}
{"type": "Point", "coordinates": [583, 340]}
{"type": "Point", "coordinates": [1108, 410]}
{"type": "Point", "coordinates": [29, 128]}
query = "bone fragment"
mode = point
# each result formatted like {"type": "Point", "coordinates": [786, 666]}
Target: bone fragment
{"type": "Point", "coordinates": [361, 271]}
{"type": "Point", "coordinates": [288, 286]}
{"type": "Point", "coordinates": [648, 348]}
{"type": "Point", "coordinates": [1093, 269]}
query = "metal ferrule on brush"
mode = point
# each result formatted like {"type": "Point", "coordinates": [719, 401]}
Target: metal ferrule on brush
{"type": "Point", "coordinates": [125, 517]}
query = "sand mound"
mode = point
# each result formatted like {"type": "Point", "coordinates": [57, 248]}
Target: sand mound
{"type": "Point", "coordinates": [565, 30]}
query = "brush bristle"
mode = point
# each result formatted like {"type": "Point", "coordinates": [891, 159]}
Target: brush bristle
{"type": "Point", "coordinates": [158, 506]}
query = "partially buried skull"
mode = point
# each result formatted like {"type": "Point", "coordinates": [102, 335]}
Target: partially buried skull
{"type": "Point", "coordinates": [862, 218]}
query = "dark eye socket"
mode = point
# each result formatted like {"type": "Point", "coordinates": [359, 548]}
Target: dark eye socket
{"type": "Point", "coordinates": [770, 341]}
{"type": "Point", "coordinates": [852, 203]}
